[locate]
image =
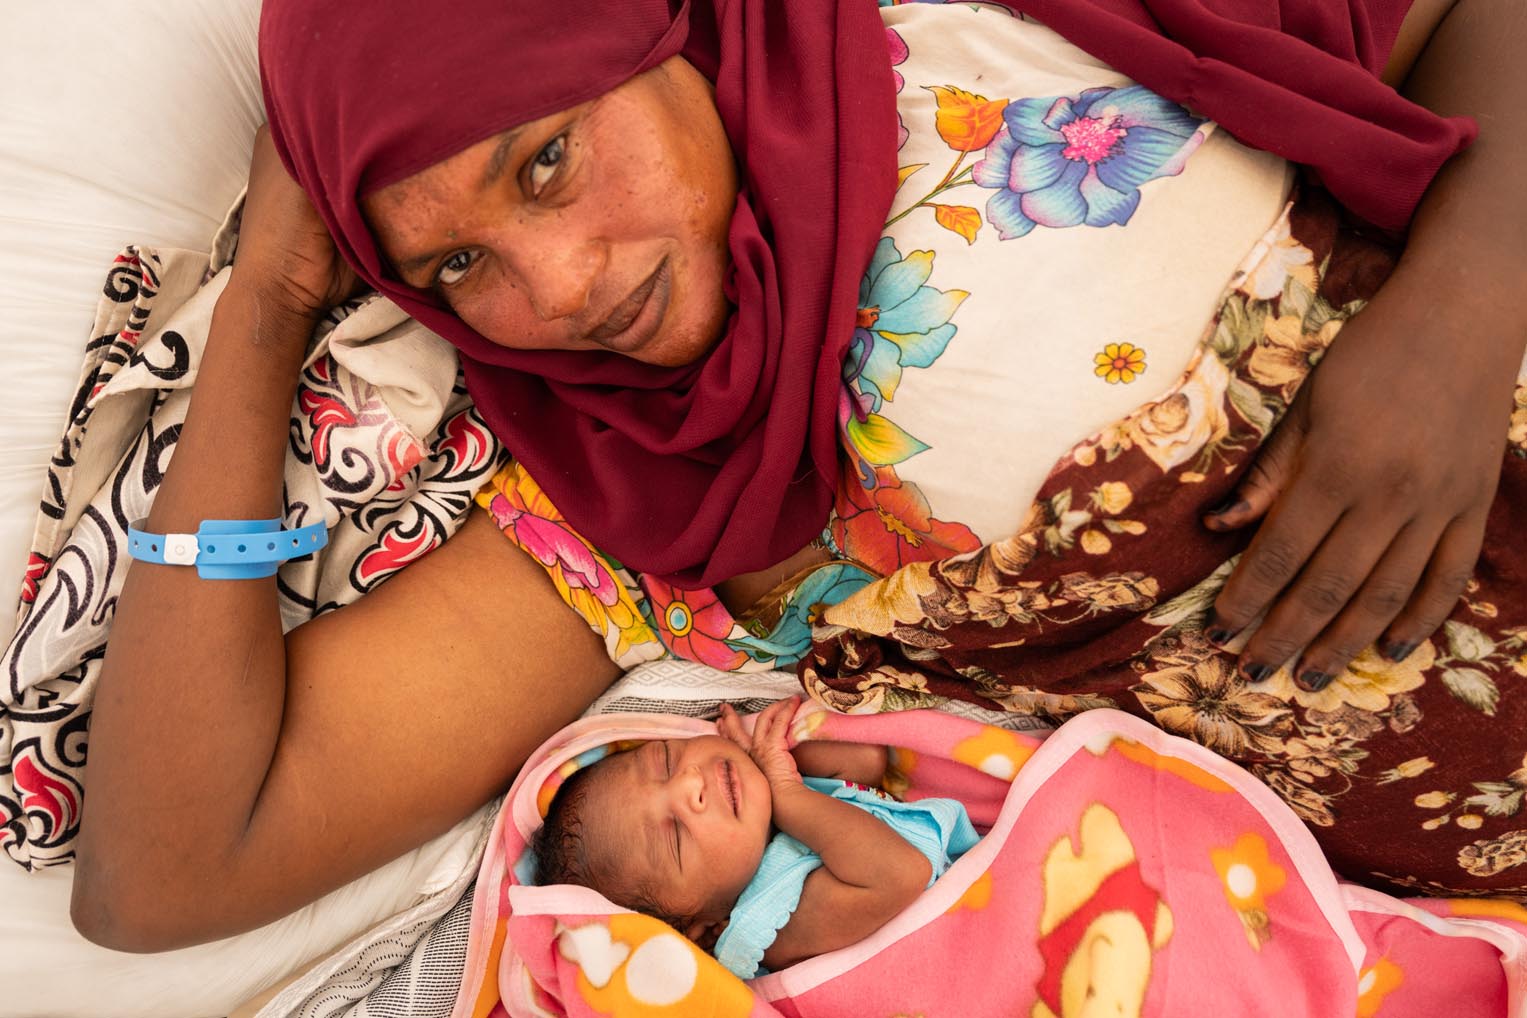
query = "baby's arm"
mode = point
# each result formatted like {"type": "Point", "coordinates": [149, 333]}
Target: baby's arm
{"type": "Point", "coordinates": [869, 873]}
{"type": "Point", "coordinates": [858, 762]}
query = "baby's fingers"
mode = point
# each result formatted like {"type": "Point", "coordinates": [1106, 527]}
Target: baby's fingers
{"type": "Point", "coordinates": [730, 727]}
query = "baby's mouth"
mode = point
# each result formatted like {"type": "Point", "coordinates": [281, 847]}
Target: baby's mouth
{"type": "Point", "coordinates": [731, 787]}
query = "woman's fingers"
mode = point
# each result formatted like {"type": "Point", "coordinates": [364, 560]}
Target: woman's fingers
{"type": "Point", "coordinates": [1266, 479]}
{"type": "Point", "coordinates": [777, 717]}
{"type": "Point", "coordinates": [1382, 596]}
{"type": "Point", "coordinates": [1288, 537]}
{"type": "Point", "coordinates": [1446, 577]}
{"type": "Point", "coordinates": [1326, 581]}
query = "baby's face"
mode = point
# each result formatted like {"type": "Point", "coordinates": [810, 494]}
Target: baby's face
{"type": "Point", "coordinates": [683, 821]}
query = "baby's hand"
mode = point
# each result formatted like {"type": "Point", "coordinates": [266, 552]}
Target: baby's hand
{"type": "Point", "coordinates": [768, 745]}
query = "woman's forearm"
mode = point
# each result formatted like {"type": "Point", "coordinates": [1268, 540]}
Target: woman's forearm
{"type": "Point", "coordinates": [1469, 238]}
{"type": "Point", "coordinates": [190, 699]}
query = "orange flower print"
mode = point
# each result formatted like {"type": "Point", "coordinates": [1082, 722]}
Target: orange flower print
{"type": "Point", "coordinates": [891, 524]}
{"type": "Point", "coordinates": [1250, 877]}
{"type": "Point", "coordinates": [1120, 362]}
{"type": "Point", "coordinates": [693, 623]}
{"type": "Point", "coordinates": [964, 120]}
{"type": "Point", "coordinates": [1374, 984]}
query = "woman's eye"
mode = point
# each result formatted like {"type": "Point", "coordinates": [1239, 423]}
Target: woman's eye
{"type": "Point", "coordinates": [544, 167]}
{"type": "Point", "coordinates": [454, 269]}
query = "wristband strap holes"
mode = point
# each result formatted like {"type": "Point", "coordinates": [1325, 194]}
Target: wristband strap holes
{"type": "Point", "coordinates": [240, 554]}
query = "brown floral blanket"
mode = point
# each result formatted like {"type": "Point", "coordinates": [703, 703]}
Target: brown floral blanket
{"type": "Point", "coordinates": [1410, 773]}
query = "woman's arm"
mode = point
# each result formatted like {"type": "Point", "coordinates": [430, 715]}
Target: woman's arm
{"type": "Point", "coordinates": [869, 873]}
{"type": "Point", "coordinates": [235, 775]}
{"type": "Point", "coordinates": [1377, 485]}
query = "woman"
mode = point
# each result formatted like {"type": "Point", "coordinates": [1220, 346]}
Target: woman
{"type": "Point", "coordinates": [277, 713]}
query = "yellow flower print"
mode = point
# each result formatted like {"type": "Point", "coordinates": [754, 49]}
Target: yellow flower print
{"type": "Point", "coordinates": [1517, 435]}
{"type": "Point", "coordinates": [638, 966]}
{"type": "Point", "coordinates": [1280, 257]}
{"type": "Point", "coordinates": [1198, 695]}
{"type": "Point", "coordinates": [1489, 908]}
{"type": "Point", "coordinates": [1409, 769]}
{"type": "Point", "coordinates": [1095, 542]}
{"type": "Point", "coordinates": [1177, 428]}
{"type": "Point", "coordinates": [1139, 753]}
{"type": "Point", "coordinates": [976, 897]}
{"type": "Point", "coordinates": [1112, 497]}
{"type": "Point", "coordinates": [1120, 362]}
{"type": "Point", "coordinates": [1249, 877]}
{"type": "Point", "coordinates": [1374, 984]}
{"type": "Point", "coordinates": [1248, 872]}
{"type": "Point", "coordinates": [1287, 351]}
{"type": "Point", "coordinates": [1495, 855]}
{"type": "Point", "coordinates": [1368, 683]}
{"type": "Point", "coordinates": [995, 751]}
{"type": "Point", "coordinates": [879, 607]}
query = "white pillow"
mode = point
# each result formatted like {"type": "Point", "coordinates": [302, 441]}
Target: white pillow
{"type": "Point", "coordinates": [126, 123]}
{"type": "Point", "coordinates": [119, 123]}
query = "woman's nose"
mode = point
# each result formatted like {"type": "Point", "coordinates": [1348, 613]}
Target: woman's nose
{"type": "Point", "coordinates": [558, 271]}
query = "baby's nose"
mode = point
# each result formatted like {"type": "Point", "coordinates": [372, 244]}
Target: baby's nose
{"type": "Point", "coordinates": [691, 788]}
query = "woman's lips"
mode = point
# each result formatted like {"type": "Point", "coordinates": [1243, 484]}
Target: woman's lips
{"type": "Point", "coordinates": [636, 319]}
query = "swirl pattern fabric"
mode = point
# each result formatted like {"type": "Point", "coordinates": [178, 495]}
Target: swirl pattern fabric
{"type": "Point", "coordinates": [391, 485]}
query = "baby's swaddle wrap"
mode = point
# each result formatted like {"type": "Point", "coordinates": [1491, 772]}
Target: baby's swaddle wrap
{"type": "Point", "coordinates": [938, 828]}
{"type": "Point", "coordinates": [1117, 864]}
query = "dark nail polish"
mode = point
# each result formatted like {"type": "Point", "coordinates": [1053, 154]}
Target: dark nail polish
{"type": "Point", "coordinates": [1257, 672]}
{"type": "Point", "coordinates": [1394, 651]}
{"type": "Point", "coordinates": [1220, 635]}
{"type": "Point", "coordinates": [1314, 681]}
{"type": "Point", "coordinates": [1230, 503]}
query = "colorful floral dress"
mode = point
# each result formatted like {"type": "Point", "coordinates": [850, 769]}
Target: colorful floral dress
{"type": "Point", "coordinates": [1060, 239]}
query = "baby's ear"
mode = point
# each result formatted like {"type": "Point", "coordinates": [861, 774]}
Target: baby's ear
{"type": "Point", "coordinates": [705, 932]}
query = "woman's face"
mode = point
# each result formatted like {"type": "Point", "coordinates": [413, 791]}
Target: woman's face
{"type": "Point", "coordinates": [602, 227]}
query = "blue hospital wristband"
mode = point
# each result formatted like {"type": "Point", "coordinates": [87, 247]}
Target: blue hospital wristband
{"type": "Point", "coordinates": [228, 549]}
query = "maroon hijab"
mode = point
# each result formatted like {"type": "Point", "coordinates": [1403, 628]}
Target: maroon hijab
{"type": "Point", "coordinates": [700, 473]}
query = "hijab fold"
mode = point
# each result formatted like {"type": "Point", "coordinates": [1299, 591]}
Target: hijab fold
{"type": "Point", "coordinates": [700, 473]}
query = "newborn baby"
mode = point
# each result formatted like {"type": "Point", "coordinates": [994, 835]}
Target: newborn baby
{"type": "Point", "coordinates": [722, 837]}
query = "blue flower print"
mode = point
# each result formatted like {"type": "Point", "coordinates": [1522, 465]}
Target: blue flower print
{"type": "Point", "coordinates": [901, 323]}
{"type": "Point", "coordinates": [1071, 161]}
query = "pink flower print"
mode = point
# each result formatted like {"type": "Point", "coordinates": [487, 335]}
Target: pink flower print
{"type": "Point", "coordinates": [899, 54]}
{"type": "Point", "coordinates": [694, 624]}
{"type": "Point", "coordinates": [555, 546]}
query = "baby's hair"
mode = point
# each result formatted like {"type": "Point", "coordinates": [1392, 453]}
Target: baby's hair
{"type": "Point", "coordinates": [562, 855]}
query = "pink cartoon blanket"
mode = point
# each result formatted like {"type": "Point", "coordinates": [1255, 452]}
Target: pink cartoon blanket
{"type": "Point", "coordinates": [1122, 871]}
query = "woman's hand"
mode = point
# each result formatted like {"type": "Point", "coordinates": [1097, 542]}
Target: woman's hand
{"type": "Point", "coordinates": [285, 254]}
{"type": "Point", "coordinates": [769, 744]}
{"type": "Point", "coordinates": [1380, 477]}
{"type": "Point", "coordinates": [1375, 488]}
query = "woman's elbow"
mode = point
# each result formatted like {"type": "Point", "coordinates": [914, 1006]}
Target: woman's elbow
{"type": "Point", "coordinates": [112, 913]}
